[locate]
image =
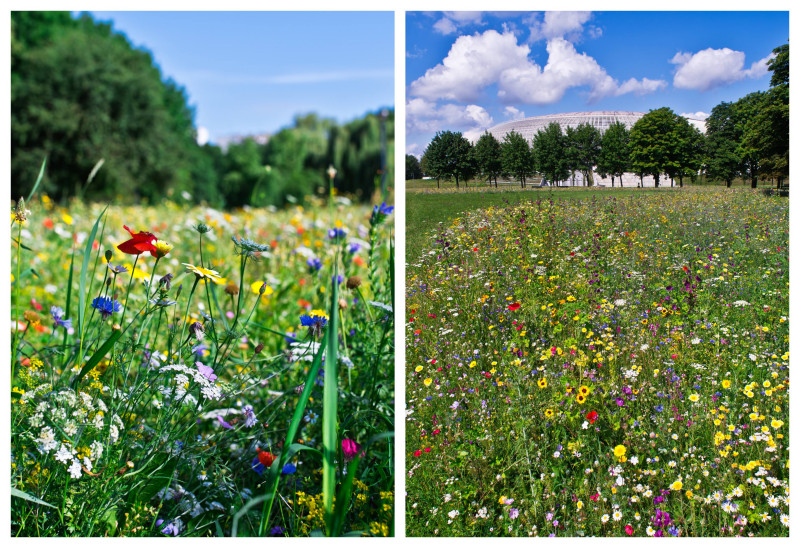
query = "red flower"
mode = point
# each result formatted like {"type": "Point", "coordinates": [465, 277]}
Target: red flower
{"type": "Point", "coordinates": [629, 529]}
{"type": "Point", "coordinates": [591, 416]}
{"type": "Point", "coordinates": [266, 458]}
{"type": "Point", "coordinates": [139, 243]}
{"type": "Point", "coordinates": [514, 306]}
{"type": "Point", "coordinates": [427, 449]}
{"type": "Point", "coordinates": [417, 453]}
{"type": "Point", "coordinates": [595, 497]}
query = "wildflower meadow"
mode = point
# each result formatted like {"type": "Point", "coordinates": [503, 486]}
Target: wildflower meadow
{"type": "Point", "coordinates": [603, 365]}
{"type": "Point", "coordinates": [180, 370]}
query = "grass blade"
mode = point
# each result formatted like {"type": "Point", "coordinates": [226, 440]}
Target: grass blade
{"type": "Point", "coordinates": [30, 498]}
{"type": "Point", "coordinates": [87, 253]}
{"type": "Point", "coordinates": [330, 408]}
{"type": "Point", "coordinates": [38, 181]}
{"type": "Point", "coordinates": [294, 426]}
{"type": "Point", "coordinates": [95, 359]}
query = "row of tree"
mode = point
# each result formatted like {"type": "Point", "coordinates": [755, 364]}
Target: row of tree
{"type": "Point", "coordinates": [81, 93]}
{"type": "Point", "coordinates": [747, 139]}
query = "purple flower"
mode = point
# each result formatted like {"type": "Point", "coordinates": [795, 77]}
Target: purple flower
{"type": "Point", "coordinates": [275, 531]}
{"type": "Point", "coordinates": [206, 371]}
{"type": "Point", "coordinates": [620, 402]}
{"type": "Point", "coordinates": [249, 416]}
{"type": "Point", "coordinates": [513, 513]}
{"type": "Point", "coordinates": [58, 317]}
{"type": "Point", "coordinates": [224, 424]}
{"type": "Point", "coordinates": [314, 263]}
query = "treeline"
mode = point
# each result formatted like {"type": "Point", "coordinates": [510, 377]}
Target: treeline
{"type": "Point", "coordinates": [81, 93]}
{"type": "Point", "coordinates": [747, 139]}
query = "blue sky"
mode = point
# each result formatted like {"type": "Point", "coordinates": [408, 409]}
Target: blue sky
{"type": "Point", "coordinates": [468, 71]}
{"type": "Point", "coordinates": [252, 72]}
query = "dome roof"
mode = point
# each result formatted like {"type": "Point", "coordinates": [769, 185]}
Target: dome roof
{"type": "Point", "coordinates": [602, 120]}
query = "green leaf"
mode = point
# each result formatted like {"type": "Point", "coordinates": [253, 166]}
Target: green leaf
{"type": "Point", "coordinates": [95, 359]}
{"type": "Point", "coordinates": [87, 253]}
{"type": "Point", "coordinates": [30, 498]}
{"type": "Point", "coordinates": [38, 181]}
{"type": "Point", "coordinates": [330, 407]}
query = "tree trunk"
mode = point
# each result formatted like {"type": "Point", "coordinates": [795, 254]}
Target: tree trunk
{"type": "Point", "coordinates": [754, 182]}
{"type": "Point", "coordinates": [612, 181]}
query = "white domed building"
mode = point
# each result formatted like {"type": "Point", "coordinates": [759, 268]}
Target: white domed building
{"type": "Point", "coordinates": [602, 120]}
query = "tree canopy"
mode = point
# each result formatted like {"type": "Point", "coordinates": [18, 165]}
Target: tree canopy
{"type": "Point", "coordinates": [81, 93]}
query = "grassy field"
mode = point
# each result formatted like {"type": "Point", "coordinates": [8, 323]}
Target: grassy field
{"type": "Point", "coordinates": [425, 210]}
{"type": "Point", "coordinates": [611, 365]}
{"type": "Point", "coordinates": [185, 371]}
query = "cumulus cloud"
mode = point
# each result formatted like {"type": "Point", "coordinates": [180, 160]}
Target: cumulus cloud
{"type": "Point", "coordinates": [560, 24]}
{"type": "Point", "coordinates": [513, 113]}
{"type": "Point", "coordinates": [711, 68]}
{"type": "Point", "coordinates": [473, 63]}
{"type": "Point", "coordinates": [699, 115]}
{"type": "Point", "coordinates": [480, 60]}
{"type": "Point", "coordinates": [425, 116]}
{"type": "Point", "coordinates": [451, 21]}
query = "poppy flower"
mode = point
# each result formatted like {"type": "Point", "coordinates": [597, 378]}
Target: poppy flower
{"type": "Point", "coordinates": [629, 529]}
{"type": "Point", "coordinates": [266, 458]}
{"type": "Point", "coordinates": [514, 306]}
{"type": "Point", "coordinates": [417, 453]}
{"type": "Point", "coordinates": [139, 243]}
{"type": "Point", "coordinates": [591, 416]}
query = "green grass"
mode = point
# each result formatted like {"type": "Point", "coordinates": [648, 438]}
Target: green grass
{"type": "Point", "coordinates": [425, 210]}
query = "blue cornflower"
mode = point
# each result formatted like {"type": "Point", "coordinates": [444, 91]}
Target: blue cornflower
{"type": "Point", "coordinates": [314, 263]}
{"type": "Point", "coordinates": [353, 247]}
{"type": "Point", "coordinates": [278, 530]}
{"type": "Point", "coordinates": [58, 317]}
{"type": "Point", "coordinates": [289, 469]}
{"type": "Point", "coordinates": [659, 408]}
{"type": "Point", "coordinates": [106, 306]}
{"type": "Point", "coordinates": [338, 279]}
{"type": "Point", "coordinates": [379, 213]}
{"type": "Point", "coordinates": [314, 322]}
{"type": "Point", "coordinates": [335, 233]}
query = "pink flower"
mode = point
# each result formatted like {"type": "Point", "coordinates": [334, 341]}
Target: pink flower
{"type": "Point", "coordinates": [629, 529]}
{"type": "Point", "coordinates": [350, 449]}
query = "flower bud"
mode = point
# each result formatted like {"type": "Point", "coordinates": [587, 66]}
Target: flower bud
{"type": "Point", "coordinates": [353, 282]}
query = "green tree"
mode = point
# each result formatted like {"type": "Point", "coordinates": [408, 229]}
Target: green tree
{"type": "Point", "coordinates": [721, 143]}
{"type": "Point", "coordinates": [449, 156]}
{"type": "Point", "coordinates": [746, 110]}
{"type": "Point", "coordinates": [488, 157]}
{"type": "Point", "coordinates": [654, 149]}
{"type": "Point", "coordinates": [614, 157]}
{"type": "Point", "coordinates": [586, 141]}
{"type": "Point", "coordinates": [767, 132]}
{"type": "Point", "coordinates": [548, 153]}
{"type": "Point", "coordinates": [413, 169]}
{"type": "Point", "coordinates": [516, 157]}
{"type": "Point", "coordinates": [82, 93]}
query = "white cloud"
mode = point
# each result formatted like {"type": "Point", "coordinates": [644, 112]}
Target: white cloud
{"type": "Point", "coordinates": [559, 24]}
{"type": "Point", "coordinates": [480, 60]}
{"type": "Point", "coordinates": [513, 113]}
{"type": "Point", "coordinates": [641, 87]}
{"type": "Point", "coordinates": [426, 116]}
{"type": "Point", "coordinates": [699, 115]}
{"type": "Point", "coordinates": [451, 21]}
{"type": "Point", "coordinates": [445, 26]}
{"type": "Point", "coordinates": [473, 63]}
{"type": "Point", "coordinates": [711, 68]}
{"type": "Point", "coordinates": [566, 68]}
